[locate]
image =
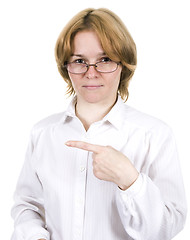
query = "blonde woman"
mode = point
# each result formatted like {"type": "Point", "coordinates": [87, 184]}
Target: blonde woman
{"type": "Point", "coordinates": [101, 169]}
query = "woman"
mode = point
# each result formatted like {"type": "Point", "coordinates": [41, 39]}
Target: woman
{"type": "Point", "coordinates": [101, 169]}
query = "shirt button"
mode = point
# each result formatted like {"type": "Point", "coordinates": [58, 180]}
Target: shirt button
{"type": "Point", "coordinates": [82, 169]}
{"type": "Point", "coordinates": [80, 201]}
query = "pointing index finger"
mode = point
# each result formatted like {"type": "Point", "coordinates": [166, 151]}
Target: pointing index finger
{"type": "Point", "coordinates": [84, 145]}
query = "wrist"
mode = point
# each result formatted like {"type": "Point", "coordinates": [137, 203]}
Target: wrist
{"type": "Point", "coordinates": [127, 184]}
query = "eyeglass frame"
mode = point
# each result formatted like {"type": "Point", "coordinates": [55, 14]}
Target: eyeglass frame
{"type": "Point", "coordinates": [89, 65]}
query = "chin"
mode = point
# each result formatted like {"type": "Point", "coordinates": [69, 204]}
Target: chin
{"type": "Point", "coordinates": [93, 98]}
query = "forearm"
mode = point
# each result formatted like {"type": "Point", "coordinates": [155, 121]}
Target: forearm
{"type": "Point", "coordinates": [28, 210]}
{"type": "Point", "coordinates": [144, 213]}
{"type": "Point", "coordinates": [29, 220]}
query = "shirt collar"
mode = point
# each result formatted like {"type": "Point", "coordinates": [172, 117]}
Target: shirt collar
{"type": "Point", "coordinates": [70, 111]}
{"type": "Point", "coordinates": [115, 116]}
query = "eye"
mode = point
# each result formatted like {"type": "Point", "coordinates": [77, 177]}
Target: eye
{"type": "Point", "coordinates": [106, 59]}
{"type": "Point", "coordinates": [80, 61]}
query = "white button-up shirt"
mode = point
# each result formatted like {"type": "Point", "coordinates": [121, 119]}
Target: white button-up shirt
{"type": "Point", "coordinates": [59, 198]}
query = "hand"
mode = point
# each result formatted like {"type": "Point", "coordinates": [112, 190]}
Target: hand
{"type": "Point", "coordinates": [109, 164]}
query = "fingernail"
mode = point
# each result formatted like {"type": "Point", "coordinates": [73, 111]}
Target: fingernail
{"type": "Point", "coordinates": [68, 144]}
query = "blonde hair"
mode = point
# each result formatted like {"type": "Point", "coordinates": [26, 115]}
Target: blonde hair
{"type": "Point", "coordinates": [116, 42]}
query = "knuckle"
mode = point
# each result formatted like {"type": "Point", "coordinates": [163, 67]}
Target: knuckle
{"type": "Point", "coordinates": [97, 173]}
{"type": "Point", "coordinates": [99, 160]}
{"type": "Point", "coordinates": [109, 148]}
{"type": "Point", "coordinates": [85, 145]}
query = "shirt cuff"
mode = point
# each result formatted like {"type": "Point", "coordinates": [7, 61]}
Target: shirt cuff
{"type": "Point", "coordinates": [134, 189]}
{"type": "Point", "coordinates": [36, 237]}
{"type": "Point", "coordinates": [30, 231]}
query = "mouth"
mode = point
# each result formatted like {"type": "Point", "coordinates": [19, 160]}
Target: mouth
{"type": "Point", "coordinates": [93, 87]}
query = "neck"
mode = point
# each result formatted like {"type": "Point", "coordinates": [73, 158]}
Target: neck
{"type": "Point", "coordinates": [88, 113]}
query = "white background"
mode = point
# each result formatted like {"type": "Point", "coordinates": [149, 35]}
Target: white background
{"type": "Point", "coordinates": [31, 87]}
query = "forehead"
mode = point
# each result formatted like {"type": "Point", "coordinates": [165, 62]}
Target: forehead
{"type": "Point", "coordinates": [87, 43]}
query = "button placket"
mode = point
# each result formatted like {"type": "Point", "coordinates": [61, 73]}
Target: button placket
{"type": "Point", "coordinates": [79, 202]}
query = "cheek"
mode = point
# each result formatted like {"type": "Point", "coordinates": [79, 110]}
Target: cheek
{"type": "Point", "coordinates": [71, 78]}
{"type": "Point", "coordinates": [74, 80]}
{"type": "Point", "coordinates": [116, 78]}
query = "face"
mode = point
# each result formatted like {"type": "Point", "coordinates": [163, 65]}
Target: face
{"type": "Point", "coordinates": [93, 86]}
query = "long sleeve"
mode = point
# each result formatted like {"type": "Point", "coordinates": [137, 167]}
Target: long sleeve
{"type": "Point", "coordinates": [154, 207]}
{"type": "Point", "coordinates": [28, 211]}
{"type": "Point", "coordinates": [59, 198]}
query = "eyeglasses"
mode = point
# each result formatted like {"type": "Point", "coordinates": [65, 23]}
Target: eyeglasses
{"type": "Point", "coordinates": [102, 67]}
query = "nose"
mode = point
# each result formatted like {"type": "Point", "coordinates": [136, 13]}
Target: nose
{"type": "Point", "coordinates": [91, 72]}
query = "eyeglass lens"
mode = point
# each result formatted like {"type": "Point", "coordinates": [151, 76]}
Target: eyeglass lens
{"type": "Point", "coordinates": [104, 67]}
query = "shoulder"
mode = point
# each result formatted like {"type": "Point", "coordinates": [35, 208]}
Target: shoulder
{"type": "Point", "coordinates": [144, 121]}
{"type": "Point", "coordinates": [153, 130]}
{"type": "Point", "coordinates": [47, 123]}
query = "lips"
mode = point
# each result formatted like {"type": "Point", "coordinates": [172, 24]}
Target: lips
{"type": "Point", "coordinates": [92, 87]}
